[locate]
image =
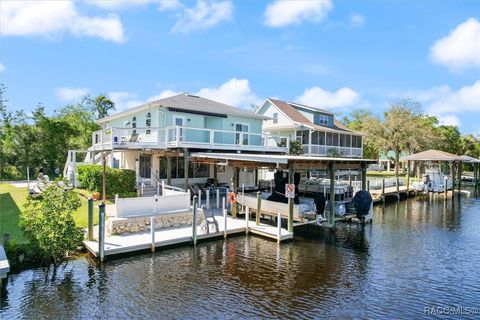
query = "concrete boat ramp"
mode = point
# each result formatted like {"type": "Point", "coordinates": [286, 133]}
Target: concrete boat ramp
{"type": "Point", "coordinates": [134, 242]}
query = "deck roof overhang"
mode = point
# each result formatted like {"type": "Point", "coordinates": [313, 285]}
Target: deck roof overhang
{"type": "Point", "coordinates": [272, 161]}
{"type": "Point", "coordinates": [433, 155]}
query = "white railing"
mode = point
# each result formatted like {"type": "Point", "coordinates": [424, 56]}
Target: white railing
{"type": "Point", "coordinates": [179, 136]}
{"type": "Point", "coordinates": [325, 151]}
{"type": "Point", "coordinates": [147, 206]}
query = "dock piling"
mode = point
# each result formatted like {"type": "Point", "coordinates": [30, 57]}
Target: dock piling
{"type": "Point", "coordinates": [398, 189]}
{"type": "Point", "coordinates": [279, 225]}
{"type": "Point", "coordinates": [259, 207]}
{"type": "Point", "coordinates": [152, 232]}
{"type": "Point", "coordinates": [207, 199]}
{"type": "Point", "coordinates": [224, 221]}
{"type": "Point", "coordinates": [331, 169]}
{"type": "Point", "coordinates": [218, 198]}
{"type": "Point", "coordinates": [194, 224]}
{"type": "Point", "coordinates": [247, 217]}
{"type": "Point", "coordinates": [199, 198]}
{"type": "Point", "coordinates": [383, 190]}
{"type": "Point", "coordinates": [445, 188]}
{"type": "Point", "coordinates": [90, 219]}
{"type": "Point", "coordinates": [101, 231]}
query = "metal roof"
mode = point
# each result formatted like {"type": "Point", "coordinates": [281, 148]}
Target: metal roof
{"type": "Point", "coordinates": [432, 155]}
{"type": "Point", "coordinates": [470, 159]}
{"type": "Point", "coordinates": [189, 103]}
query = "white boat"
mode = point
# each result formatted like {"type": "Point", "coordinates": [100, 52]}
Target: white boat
{"type": "Point", "coordinates": [434, 180]}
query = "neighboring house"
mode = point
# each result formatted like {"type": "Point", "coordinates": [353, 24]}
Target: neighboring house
{"type": "Point", "coordinates": [316, 129]}
{"type": "Point", "coordinates": [386, 161]}
{"type": "Point", "coordinates": [152, 138]}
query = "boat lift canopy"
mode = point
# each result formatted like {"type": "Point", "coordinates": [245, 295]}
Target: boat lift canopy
{"type": "Point", "coordinates": [433, 155]}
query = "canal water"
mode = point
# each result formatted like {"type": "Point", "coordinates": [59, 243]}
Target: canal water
{"type": "Point", "coordinates": [416, 256]}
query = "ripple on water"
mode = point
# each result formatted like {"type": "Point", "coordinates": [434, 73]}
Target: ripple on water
{"type": "Point", "coordinates": [415, 254]}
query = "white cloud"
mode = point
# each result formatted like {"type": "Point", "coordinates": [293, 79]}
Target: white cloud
{"type": "Point", "coordinates": [321, 98]}
{"type": "Point", "coordinates": [69, 94]}
{"type": "Point", "coordinates": [283, 13]}
{"type": "Point", "coordinates": [164, 94]}
{"type": "Point", "coordinates": [357, 20]}
{"type": "Point", "coordinates": [124, 100]}
{"type": "Point", "coordinates": [461, 48]}
{"type": "Point", "coordinates": [52, 18]}
{"type": "Point", "coordinates": [163, 5]}
{"type": "Point", "coordinates": [203, 16]}
{"type": "Point", "coordinates": [449, 120]}
{"type": "Point", "coordinates": [446, 103]}
{"type": "Point", "coordinates": [2, 67]}
{"type": "Point", "coordinates": [235, 92]}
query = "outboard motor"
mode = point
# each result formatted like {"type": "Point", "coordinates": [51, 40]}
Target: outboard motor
{"type": "Point", "coordinates": [320, 202]}
{"type": "Point", "coordinates": [362, 202]}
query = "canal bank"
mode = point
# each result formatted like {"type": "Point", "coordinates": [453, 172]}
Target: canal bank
{"type": "Point", "coordinates": [360, 272]}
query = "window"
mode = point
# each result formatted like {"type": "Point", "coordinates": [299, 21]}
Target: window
{"type": "Point", "coordinates": [275, 118]}
{"type": "Point", "coordinates": [195, 170]}
{"type": "Point", "coordinates": [241, 127]}
{"type": "Point", "coordinates": [342, 140]}
{"type": "Point", "coordinates": [322, 119]}
{"type": "Point", "coordinates": [315, 136]}
{"type": "Point", "coordinates": [329, 139]}
{"type": "Point", "coordinates": [148, 122]}
{"type": "Point", "coordinates": [134, 124]}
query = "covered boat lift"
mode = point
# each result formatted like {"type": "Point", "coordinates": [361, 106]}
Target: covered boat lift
{"type": "Point", "coordinates": [439, 156]}
{"type": "Point", "coordinates": [291, 164]}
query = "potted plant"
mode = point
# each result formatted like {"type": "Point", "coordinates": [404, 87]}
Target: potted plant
{"type": "Point", "coordinates": [95, 195]}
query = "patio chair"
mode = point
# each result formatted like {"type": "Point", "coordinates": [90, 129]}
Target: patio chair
{"type": "Point", "coordinates": [133, 138]}
{"type": "Point", "coordinates": [208, 219]}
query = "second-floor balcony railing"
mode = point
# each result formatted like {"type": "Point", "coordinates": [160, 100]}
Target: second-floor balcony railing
{"type": "Point", "coordinates": [332, 151]}
{"type": "Point", "coordinates": [186, 137]}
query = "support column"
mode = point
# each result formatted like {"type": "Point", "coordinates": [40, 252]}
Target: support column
{"type": "Point", "coordinates": [235, 189]}
{"type": "Point", "coordinates": [408, 177]}
{"type": "Point", "coordinates": [185, 168]}
{"type": "Point", "coordinates": [215, 173]}
{"type": "Point", "coordinates": [459, 178]}
{"type": "Point", "coordinates": [364, 176]}
{"type": "Point", "coordinates": [169, 170]}
{"type": "Point", "coordinates": [454, 169]}
{"type": "Point", "coordinates": [290, 200]}
{"type": "Point", "coordinates": [331, 169]}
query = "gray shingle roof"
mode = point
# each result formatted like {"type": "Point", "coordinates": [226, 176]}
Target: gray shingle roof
{"type": "Point", "coordinates": [191, 103]}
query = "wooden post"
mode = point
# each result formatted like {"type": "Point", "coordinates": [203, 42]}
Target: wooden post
{"type": "Point", "coordinates": [224, 219]}
{"type": "Point", "coordinates": [279, 226]}
{"type": "Point", "coordinates": [408, 177]}
{"type": "Point", "coordinates": [207, 197]}
{"type": "Point", "coordinates": [459, 178]}
{"type": "Point", "coordinates": [199, 198]}
{"type": "Point", "coordinates": [445, 190]}
{"type": "Point", "coordinates": [247, 217]}
{"type": "Point", "coordinates": [398, 189]}
{"type": "Point", "coordinates": [331, 169]}
{"type": "Point", "coordinates": [368, 185]}
{"type": "Point", "coordinates": [290, 200]}
{"type": "Point", "coordinates": [152, 233]}
{"type": "Point", "coordinates": [104, 178]}
{"type": "Point", "coordinates": [163, 187]}
{"type": "Point", "coordinates": [90, 219]}
{"type": "Point", "coordinates": [185, 168]}
{"type": "Point", "coordinates": [383, 190]}
{"type": "Point", "coordinates": [259, 208]}
{"type": "Point", "coordinates": [101, 231]}
{"type": "Point", "coordinates": [235, 188]}
{"type": "Point", "coordinates": [364, 176]}
{"type": "Point", "coordinates": [215, 173]}
{"type": "Point", "coordinates": [194, 225]}
{"type": "Point", "coordinates": [454, 169]}
{"type": "Point", "coordinates": [169, 170]}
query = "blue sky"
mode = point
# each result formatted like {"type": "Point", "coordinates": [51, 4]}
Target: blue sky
{"type": "Point", "coordinates": [339, 55]}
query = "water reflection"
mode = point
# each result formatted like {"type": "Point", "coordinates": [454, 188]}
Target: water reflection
{"type": "Point", "coordinates": [415, 254]}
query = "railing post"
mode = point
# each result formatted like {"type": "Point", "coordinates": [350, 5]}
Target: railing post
{"type": "Point", "coordinates": [218, 198]}
{"type": "Point", "coordinates": [225, 230]}
{"type": "Point", "coordinates": [90, 219]}
{"type": "Point", "coordinates": [141, 188]}
{"type": "Point", "coordinates": [194, 225]}
{"type": "Point", "coordinates": [247, 217]}
{"type": "Point", "coordinates": [101, 231]}
{"type": "Point", "coordinates": [155, 200]}
{"type": "Point", "coordinates": [199, 198]}
{"type": "Point", "coordinates": [212, 138]}
{"type": "Point", "coordinates": [74, 167]}
{"type": "Point", "coordinates": [279, 226]}
{"type": "Point", "coordinates": [259, 208]}
{"type": "Point", "coordinates": [207, 199]}
{"type": "Point", "coordinates": [163, 187]}
{"type": "Point", "coordinates": [152, 232]}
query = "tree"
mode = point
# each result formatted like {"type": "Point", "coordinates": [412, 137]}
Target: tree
{"type": "Point", "coordinates": [82, 120]}
{"type": "Point", "coordinates": [403, 129]}
{"type": "Point", "coordinates": [48, 223]}
{"type": "Point", "coordinates": [100, 105]}
{"type": "Point", "coordinates": [296, 148]}
{"type": "Point", "coordinates": [357, 122]}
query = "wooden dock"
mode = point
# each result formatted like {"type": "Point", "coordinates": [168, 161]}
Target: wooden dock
{"type": "Point", "coordinates": [379, 195]}
{"type": "Point", "coordinates": [4, 266]}
{"type": "Point", "coordinates": [128, 243]}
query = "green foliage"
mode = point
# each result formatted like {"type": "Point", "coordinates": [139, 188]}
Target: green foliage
{"type": "Point", "coordinates": [49, 224]}
{"type": "Point", "coordinates": [100, 105]}
{"type": "Point", "coordinates": [119, 181]}
{"type": "Point", "coordinates": [296, 148]}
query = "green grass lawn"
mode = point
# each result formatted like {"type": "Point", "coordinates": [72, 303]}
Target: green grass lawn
{"type": "Point", "coordinates": [12, 200]}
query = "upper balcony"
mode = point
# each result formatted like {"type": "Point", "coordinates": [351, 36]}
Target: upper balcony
{"type": "Point", "coordinates": [186, 137]}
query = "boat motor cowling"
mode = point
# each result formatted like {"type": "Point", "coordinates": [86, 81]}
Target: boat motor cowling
{"type": "Point", "coordinates": [362, 202]}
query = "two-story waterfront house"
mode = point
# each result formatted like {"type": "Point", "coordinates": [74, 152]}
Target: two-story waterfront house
{"type": "Point", "coordinates": [315, 128]}
{"type": "Point", "coordinates": [154, 138]}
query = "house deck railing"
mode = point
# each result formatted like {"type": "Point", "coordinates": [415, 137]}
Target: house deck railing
{"type": "Point", "coordinates": [329, 151]}
{"type": "Point", "coordinates": [186, 137]}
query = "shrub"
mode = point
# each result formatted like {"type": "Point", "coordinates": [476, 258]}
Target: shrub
{"type": "Point", "coordinates": [296, 148]}
{"type": "Point", "coordinates": [49, 224]}
{"type": "Point", "coordinates": [119, 181]}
